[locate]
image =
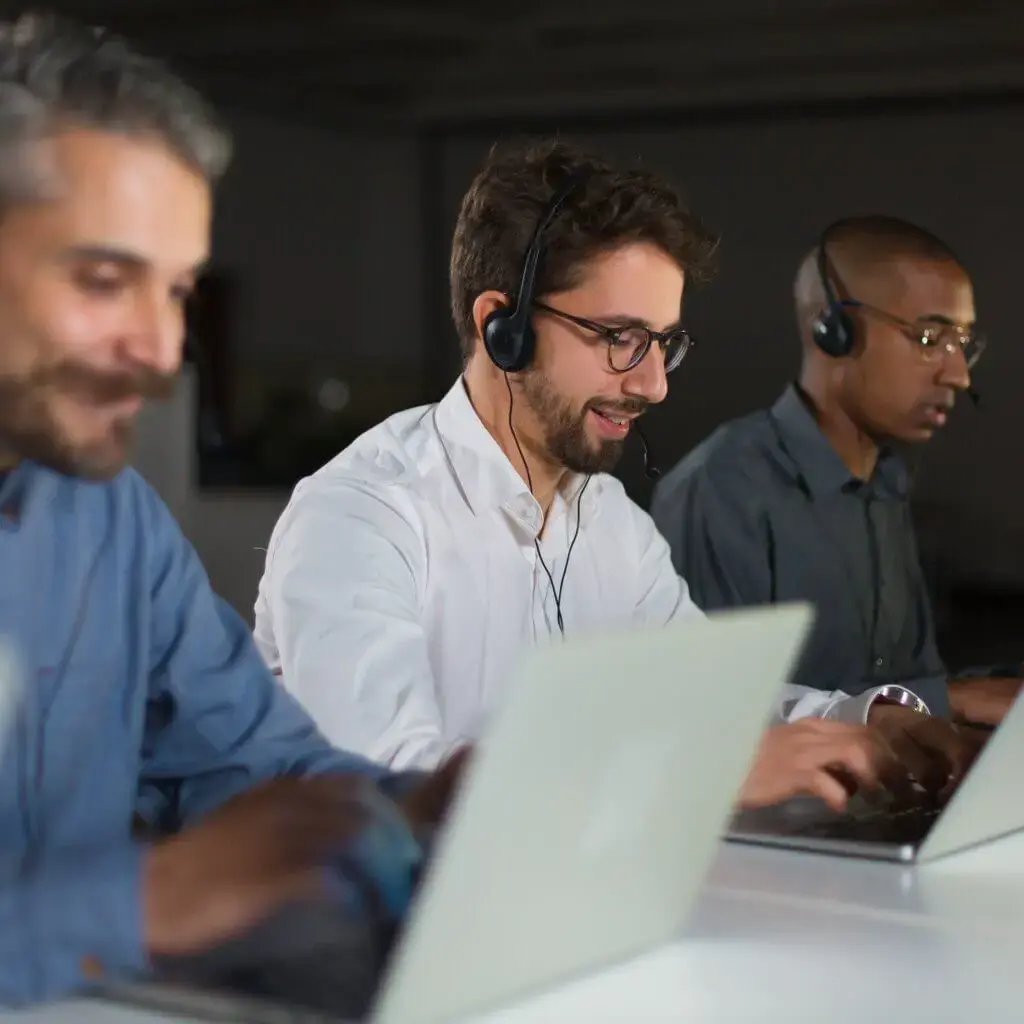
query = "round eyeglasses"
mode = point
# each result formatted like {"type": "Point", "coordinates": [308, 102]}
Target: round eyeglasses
{"type": "Point", "coordinates": [629, 344]}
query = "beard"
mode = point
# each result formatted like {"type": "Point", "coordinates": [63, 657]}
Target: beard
{"type": "Point", "coordinates": [565, 434]}
{"type": "Point", "coordinates": [31, 429]}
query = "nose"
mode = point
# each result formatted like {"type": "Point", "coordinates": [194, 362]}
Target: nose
{"type": "Point", "coordinates": [155, 334]}
{"type": "Point", "coordinates": [648, 379]}
{"type": "Point", "coordinates": [953, 370]}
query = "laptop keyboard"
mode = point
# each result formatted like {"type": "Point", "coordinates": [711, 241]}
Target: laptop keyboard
{"type": "Point", "coordinates": [909, 825]}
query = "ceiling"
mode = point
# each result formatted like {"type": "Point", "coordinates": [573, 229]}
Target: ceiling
{"type": "Point", "coordinates": [387, 63]}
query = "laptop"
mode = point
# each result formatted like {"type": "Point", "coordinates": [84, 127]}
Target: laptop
{"type": "Point", "coordinates": [593, 810]}
{"type": "Point", "coordinates": [588, 818]}
{"type": "Point", "coordinates": [984, 806]}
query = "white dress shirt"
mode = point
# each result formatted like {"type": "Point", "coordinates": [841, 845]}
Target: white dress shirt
{"type": "Point", "coordinates": [402, 584]}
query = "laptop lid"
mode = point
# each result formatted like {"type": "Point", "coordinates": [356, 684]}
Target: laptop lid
{"type": "Point", "coordinates": [592, 809]}
{"type": "Point", "coordinates": [987, 802]}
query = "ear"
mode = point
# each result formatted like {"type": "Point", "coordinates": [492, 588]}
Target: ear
{"type": "Point", "coordinates": [484, 305]}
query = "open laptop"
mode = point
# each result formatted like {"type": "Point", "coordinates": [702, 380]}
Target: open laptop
{"type": "Point", "coordinates": [592, 811]}
{"type": "Point", "coordinates": [590, 814]}
{"type": "Point", "coordinates": [984, 806]}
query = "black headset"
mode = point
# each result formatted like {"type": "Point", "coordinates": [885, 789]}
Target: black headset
{"type": "Point", "coordinates": [508, 333]}
{"type": "Point", "coordinates": [833, 330]}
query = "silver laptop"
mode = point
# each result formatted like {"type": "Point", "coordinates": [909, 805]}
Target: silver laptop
{"type": "Point", "coordinates": [592, 811]}
{"type": "Point", "coordinates": [588, 819]}
{"type": "Point", "coordinates": [984, 806]}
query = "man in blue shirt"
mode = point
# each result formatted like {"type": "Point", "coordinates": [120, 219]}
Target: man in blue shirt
{"type": "Point", "coordinates": [132, 701]}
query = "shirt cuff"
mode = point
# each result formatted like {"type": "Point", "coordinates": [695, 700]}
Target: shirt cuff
{"type": "Point", "coordinates": [385, 856]}
{"type": "Point", "coordinates": [855, 710]}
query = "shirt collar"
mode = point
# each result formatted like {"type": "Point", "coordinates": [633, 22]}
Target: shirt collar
{"type": "Point", "coordinates": [485, 476]}
{"type": "Point", "coordinates": [818, 463]}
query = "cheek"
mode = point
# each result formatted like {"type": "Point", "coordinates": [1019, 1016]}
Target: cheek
{"type": "Point", "coordinates": [893, 387]}
{"type": "Point", "coordinates": [67, 325]}
{"type": "Point", "coordinates": [578, 372]}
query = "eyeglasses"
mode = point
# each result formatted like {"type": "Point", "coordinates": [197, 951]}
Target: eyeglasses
{"type": "Point", "coordinates": [629, 344]}
{"type": "Point", "coordinates": [933, 339]}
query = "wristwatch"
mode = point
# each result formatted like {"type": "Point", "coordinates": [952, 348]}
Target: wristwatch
{"type": "Point", "coordinates": [893, 694]}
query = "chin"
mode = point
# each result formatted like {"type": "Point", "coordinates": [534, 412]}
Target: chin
{"type": "Point", "coordinates": [100, 458]}
{"type": "Point", "coordinates": [915, 435]}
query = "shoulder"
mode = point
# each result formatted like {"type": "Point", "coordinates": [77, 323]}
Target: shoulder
{"type": "Point", "coordinates": [125, 504]}
{"type": "Point", "coordinates": [377, 483]}
{"type": "Point", "coordinates": [619, 512]}
{"type": "Point", "coordinates": [737, 461]}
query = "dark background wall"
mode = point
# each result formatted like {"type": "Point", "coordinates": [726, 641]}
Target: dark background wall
{"type": "Point", "coordinates": [360, 125]}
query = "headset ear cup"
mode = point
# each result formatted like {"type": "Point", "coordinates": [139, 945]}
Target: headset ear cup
{"type": "Point", "coordinates": [833, 333]}
{"type": "Point", "coordinates": [509, 345]}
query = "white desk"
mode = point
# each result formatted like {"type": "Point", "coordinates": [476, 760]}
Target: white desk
{"type": "Point", "coordinates": [784, 936]}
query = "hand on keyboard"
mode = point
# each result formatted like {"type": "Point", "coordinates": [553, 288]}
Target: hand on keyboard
{"type": "Point", "coordinates": [931, 749]}
{"type": "Point", "coordinates": [826, 759]}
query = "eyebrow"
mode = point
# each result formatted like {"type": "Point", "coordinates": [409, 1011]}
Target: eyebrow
{"type": "Point", "coordinates": [105, 254]}
{"type": "Point", "coordinates": [940, 318]}
{"type": "Point", "coordinates": [625, 320]}
{"type": "Point", "coordinates": [122, 257]}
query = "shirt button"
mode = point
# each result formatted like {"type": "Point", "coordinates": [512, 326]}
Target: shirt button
{"type": "Point", "coordinates": [879, 662]}
{"type": "Point", "coordinates": [92, 968]}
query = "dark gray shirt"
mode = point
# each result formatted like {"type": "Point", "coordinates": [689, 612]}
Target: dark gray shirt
{"type": "Point", "coordinates": [765, 510]}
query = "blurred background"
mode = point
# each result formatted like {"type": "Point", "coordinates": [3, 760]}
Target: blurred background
{"type": "Point", "coordinates": [359, 125]}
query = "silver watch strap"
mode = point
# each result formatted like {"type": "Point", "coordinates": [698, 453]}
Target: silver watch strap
{"type": "Point", "coordinates": [901, 695]}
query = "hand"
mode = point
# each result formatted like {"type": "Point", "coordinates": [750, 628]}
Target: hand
{"type": "Point", "coordinates": [930, 749]}
{"type": "Point", "coordinates": [983, 701]}
{"type": "Point", "coordinates": [426, 804]}
{"type": "Point", "coordinates": [256, 854]}
{"type": "Point", "coordinates": [820, 758]}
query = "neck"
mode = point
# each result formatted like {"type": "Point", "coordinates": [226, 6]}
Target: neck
{"type": "Point", "coordinates": [489, 396]}
{"type": "Point", "coordinates": [854, 445]}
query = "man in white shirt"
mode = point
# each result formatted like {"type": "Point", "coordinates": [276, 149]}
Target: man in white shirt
{"type": "Point", "coordinates": [406, 577]}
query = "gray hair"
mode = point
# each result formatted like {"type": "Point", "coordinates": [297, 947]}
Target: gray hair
{"type": "Point", "coordinates": [55, 73]}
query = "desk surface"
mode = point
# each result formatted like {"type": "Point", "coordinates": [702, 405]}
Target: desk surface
{"type": "Point", "coordinates": [786, 936]}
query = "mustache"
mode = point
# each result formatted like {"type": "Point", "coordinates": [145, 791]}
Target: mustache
{"type": "Point", "coordinates": [103, 386]}
{"type": "Point", "coordinates": [627, 407]}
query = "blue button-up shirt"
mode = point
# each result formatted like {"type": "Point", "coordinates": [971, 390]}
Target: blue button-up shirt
{"type": "Point", "coordinates": [130, 690]}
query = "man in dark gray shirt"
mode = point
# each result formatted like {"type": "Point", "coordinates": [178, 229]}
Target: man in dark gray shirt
{"type": "Point", "coordinates": [807, 501]}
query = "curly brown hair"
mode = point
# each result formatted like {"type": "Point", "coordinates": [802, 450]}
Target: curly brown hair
{"type": "Point", "coordinates": [613, 207]}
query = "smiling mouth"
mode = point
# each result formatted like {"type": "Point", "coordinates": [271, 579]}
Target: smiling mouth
{"type": "Point", "coordinates": [612, 426]}
{"type": "Point", "coordinates": [620, 419]}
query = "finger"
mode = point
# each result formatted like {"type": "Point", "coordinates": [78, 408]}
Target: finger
{"type": "Point", "coordinates": [845, 778]}
{"type": "Point", "coordinates": [893, 774]}
{"type": "Point", "coordinates": [925, 765]}
{"type": "Point", "coordinates": [826, 787]}
{"type": "Point", "coordinates": [855, 759]}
